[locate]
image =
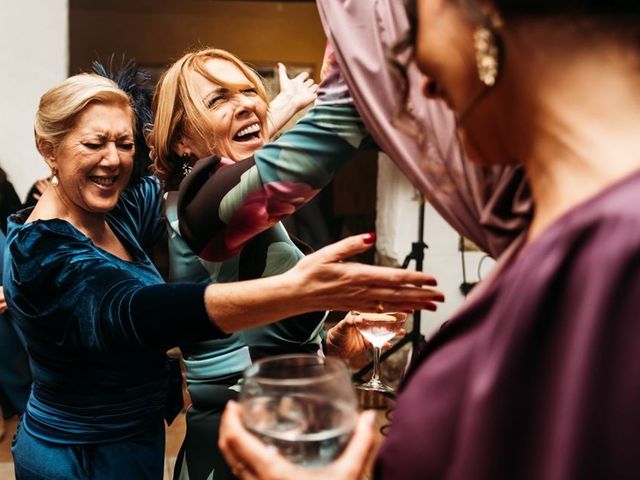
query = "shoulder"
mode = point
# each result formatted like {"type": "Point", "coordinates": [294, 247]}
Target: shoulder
{"type": "Point", "coordinates": [146, 192]}
{"type": "Point", "coordinates": [584, 256]}
{"type": "Point", "coordinates": [202, 173]}
{"type": "Point", "coordinates": [604, 228]}
{"type": "Point", "coordinates": [43, 237]}
{"type": "Point", "coordinates": [43, 255]}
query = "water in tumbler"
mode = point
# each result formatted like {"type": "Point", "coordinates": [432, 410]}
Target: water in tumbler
{"type": "Point", "coordinates": [308, 430]}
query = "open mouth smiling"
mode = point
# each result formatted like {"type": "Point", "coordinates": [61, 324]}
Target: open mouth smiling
{"type": "Point", "coordinates": [248, 133]}
{"type": "Point", "coordinates": [104, 181]}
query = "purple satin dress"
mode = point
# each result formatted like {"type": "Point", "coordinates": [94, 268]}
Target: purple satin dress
{"type": "Point", "coordinates": [538, 376]}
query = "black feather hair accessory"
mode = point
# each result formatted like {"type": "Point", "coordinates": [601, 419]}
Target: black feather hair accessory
{"type": "Point", "coordinates": [136, 82]}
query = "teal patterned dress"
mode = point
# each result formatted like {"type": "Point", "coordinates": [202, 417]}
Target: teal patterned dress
{"type": "Point", "coordinates": [224, 225]}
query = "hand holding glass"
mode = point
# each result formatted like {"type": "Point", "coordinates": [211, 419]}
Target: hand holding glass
{"type": "Point", "coordinates": [303, 405]}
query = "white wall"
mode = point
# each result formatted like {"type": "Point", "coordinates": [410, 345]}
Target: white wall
{"type": "Point", "coordinates": [397, 227]}
{"type": "Point", "coordinates": [33, 57]}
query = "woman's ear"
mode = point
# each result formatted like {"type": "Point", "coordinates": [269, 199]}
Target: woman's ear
{"type": "Point", "coordinates": [181, 146]}
{"type": "Point", "coordinates": [47, 150]}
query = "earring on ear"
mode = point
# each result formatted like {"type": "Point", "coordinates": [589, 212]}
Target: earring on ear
{"type": "Point", "coordinates": [486, 47]}
{"type": "Point", "coordinates": [186, 164]}
{"type": "Point", "coordinates": [54, 177]}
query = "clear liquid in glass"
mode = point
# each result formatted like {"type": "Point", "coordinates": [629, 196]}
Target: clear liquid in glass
{"type": "Point", "coordinates": [378, 329]}
{"type": "Point", "coordinates": [308, 430]}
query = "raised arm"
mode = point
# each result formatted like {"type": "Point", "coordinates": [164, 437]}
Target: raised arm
{"type": "Point", "coordinates": [223, 205]}
{"type": "Point", "coordinates": [492, 207]}
{"type": "Point", "coordinates": [295, 95]}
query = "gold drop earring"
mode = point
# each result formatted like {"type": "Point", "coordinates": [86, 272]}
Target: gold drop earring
{"type": "Point", "coordinates": [486, 48]}
{"type": "Point", "coordinates": [54, 177]}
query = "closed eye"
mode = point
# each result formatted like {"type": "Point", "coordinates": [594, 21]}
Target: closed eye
{"type": "Point", "coordinates": [250, 91]}
{"type": "Point", "coordinates": [93, 146]}
{"type": "Point", "coordinates": [214, 101]}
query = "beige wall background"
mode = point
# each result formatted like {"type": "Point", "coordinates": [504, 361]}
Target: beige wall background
{"type": "Point", "coordinates": [43, 41]}
{"type": "Point", "coordinates": [34, 56]}
{"type": "Point", "coordinates": [160, 31]}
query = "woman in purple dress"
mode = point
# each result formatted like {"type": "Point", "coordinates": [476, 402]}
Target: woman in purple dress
{"type": "Point", "coordinates": [537, 375]}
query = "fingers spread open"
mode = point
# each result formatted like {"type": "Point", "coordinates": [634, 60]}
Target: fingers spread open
{"type": "Point", "coordinates": [343, 249]}
{"type": "Point", "coordinates": [376, 275]}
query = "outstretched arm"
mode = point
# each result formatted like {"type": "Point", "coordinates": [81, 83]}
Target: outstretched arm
{"type": "Point", "coordinates": [167, 314]}
{"type": "Point", "coordinates": [324, 280]}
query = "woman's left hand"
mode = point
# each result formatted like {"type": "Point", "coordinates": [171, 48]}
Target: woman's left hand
{"type": "Point", "coordinates": [249, 458]}
{"type": "Point", "coordinates": [295, 94]}
{"type": "Point", "coordinates": [344, 339]}
{"type": "Point", "coordinates": [300, 91]}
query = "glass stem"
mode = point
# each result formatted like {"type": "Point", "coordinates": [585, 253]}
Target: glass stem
{"type": "Point", "coordinates": [375, 376]}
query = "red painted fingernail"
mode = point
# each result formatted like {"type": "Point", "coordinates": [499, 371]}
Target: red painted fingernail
{"type": "Point", "coordinates": [369, 238]}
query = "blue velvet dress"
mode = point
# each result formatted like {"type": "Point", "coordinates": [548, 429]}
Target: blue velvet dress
{"type": "Point", "coordinates": [97, 329]}
{"type": "Point", "coordinates": [15, 376]}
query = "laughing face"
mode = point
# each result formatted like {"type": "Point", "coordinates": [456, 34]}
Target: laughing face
{"type": "Point", "coordinates": [236, 113]}
{"type": "Point", "coordinates": [95, 159]}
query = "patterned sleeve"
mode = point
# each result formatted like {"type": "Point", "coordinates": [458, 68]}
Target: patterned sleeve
{"type": "Point", "coordinates": [222, 205]}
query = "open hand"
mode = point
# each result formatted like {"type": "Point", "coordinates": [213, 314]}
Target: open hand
{"type": "Point", "coordinates": [300, 91]}
{"type": "Point", "coordinates": [331, 282]}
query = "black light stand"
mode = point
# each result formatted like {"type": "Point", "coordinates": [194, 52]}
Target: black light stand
{"type": "Point", "coordinates": [414, 337]}
{"type": "Point", "coordinates": [465, 286]}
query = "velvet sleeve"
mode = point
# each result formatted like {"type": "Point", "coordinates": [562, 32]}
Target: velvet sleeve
{"type": "Point", "coordinates": [156, 316]}
{"type": "Point", "coordinates": [222, 205]}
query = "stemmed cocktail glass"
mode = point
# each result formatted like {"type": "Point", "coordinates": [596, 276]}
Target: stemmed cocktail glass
{"type": "Point", "coordinates": [378, 329]}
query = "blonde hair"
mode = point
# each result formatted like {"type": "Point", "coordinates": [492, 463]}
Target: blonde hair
{"type": "Point", "coordinates": [60, 105]}
{"type": "Point", "coordinates": [178, 110]}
